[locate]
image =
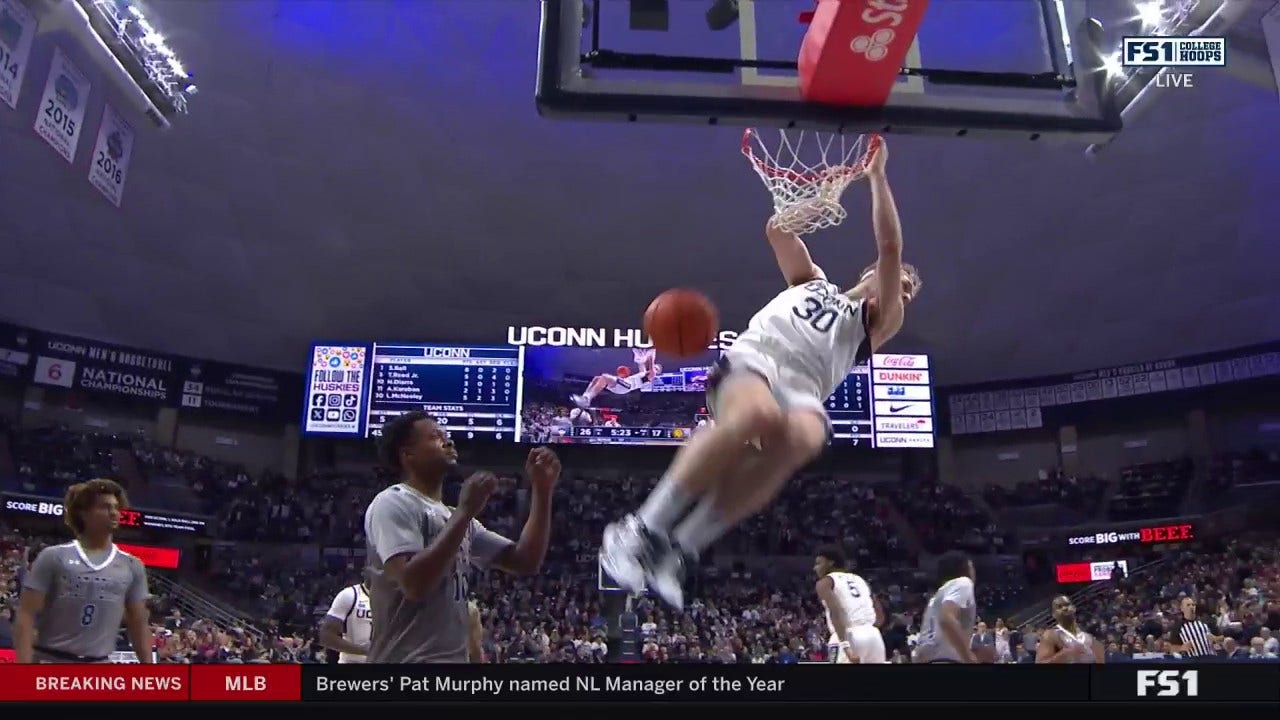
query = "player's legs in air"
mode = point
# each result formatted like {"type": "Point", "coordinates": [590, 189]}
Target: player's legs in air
{"type": "Point", "coordinates": [597, 385]}
{"type": "Point", "coordinates": [734, 467]}
{"type": "Point", "coordinates": [646, 368]}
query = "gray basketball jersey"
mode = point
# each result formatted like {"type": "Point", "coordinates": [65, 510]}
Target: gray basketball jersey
{"type": "Point", "coordinates": [932, 644]}
{"type": "Point", "coordinates": [823, 330]}
{"type": "Point", "coordinates": [401, 521]}
{"type": "Point", "coordinates": [85, 598]}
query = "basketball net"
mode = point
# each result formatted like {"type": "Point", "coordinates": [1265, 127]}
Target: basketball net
{"type": "Point", "coordinates": [807, 171]}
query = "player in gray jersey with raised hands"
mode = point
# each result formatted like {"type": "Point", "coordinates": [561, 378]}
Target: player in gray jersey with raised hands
{"type": "Point", "coordinates": [76, 594]}
{"type": "Point", "coordinates": [420, 551]}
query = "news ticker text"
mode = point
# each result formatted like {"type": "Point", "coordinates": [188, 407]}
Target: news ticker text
{"type": "Point", "coordinates": [1230, 682]}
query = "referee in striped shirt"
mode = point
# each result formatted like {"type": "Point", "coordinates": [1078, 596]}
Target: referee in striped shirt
{"type": "Point", "coordinates": [1191, 636]}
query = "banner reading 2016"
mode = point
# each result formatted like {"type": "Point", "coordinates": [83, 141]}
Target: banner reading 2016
{"type": "Point", "coordinates": [61, 115]}
{"type": "Point", "coordinates": [17, 30]}
{"type": "Point", "coordinates": [110, 164]}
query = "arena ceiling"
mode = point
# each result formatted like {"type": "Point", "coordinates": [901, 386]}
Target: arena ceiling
{"type": "Point", "coordinates": [376, 170]}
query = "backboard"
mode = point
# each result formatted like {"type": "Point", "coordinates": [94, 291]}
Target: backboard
{"type": "Point", "coordinates": [1022, 68]}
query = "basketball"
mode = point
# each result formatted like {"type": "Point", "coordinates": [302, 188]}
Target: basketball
{"type": "Point", "coordinates": [681, 322]}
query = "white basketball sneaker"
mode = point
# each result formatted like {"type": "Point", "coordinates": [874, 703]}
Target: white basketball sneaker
{"type": "Point", "coordinates": [623, 552]}
{"type": "Point", "coordinates": [581, 401]}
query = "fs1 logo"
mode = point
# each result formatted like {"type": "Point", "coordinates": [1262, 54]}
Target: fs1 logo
{"type": "Point", "coordinates": [1169, 683]}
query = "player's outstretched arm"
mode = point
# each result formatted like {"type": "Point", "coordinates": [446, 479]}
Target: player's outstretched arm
{"type": "Point", "coordinates": [792, 255]}
{"type": "Point", "coordinates": [888, 233]}
{"type": "Point", "coordinates": [526, 555]}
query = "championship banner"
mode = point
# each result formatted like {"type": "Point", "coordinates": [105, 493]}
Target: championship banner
{"type": "Point", "coordinates": [61, 115]}
{"type": "Point", "coordinates": [16, 344]}
{"type": "Point", "coordinates": [1017, 405]}
{"type": "Point", "coordinates": [236, 390]}
{"type": "Point", "coordinates": [105, 369]}
{"type": "Point", "coordinates": [17, 31]}
{"type": "Point", "coordinates": [111, 155]}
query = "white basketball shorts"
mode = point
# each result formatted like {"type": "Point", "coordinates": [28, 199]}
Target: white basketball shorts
{"type": "Point", "coordinates": [793, 388]}
{"type": "Point", "coordinates": [867, 644]}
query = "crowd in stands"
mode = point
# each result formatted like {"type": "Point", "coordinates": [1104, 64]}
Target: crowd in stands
{"type": "Point", "coordinates": [736, 615]}
{"type": "Point", "coordinates": [1053, 486]}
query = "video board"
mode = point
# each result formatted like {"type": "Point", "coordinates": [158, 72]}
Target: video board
{"type": "Point", "coordinates": [582, 386]}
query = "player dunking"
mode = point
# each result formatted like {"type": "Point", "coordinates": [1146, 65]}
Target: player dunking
{"type": "Point", "coordinates": [948, 619]}
{"type": "Point", "coordinates": [420, 551]}
{"type": "Point", "coordinates": [769, 391]}
{"type": "Point", "coordinates": [853, 613]}
{"type": "Point", "coordinates": [1067, 643]}
{"type": "Point", "coordinates": [76, 594]}
{"type": "Point", "coordinates": [646, 370]}
{"type": "Point", "coordinates": [348, 625]}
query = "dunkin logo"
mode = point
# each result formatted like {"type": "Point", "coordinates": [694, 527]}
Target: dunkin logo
{"type": "Point", "coordinates": [902, 377]}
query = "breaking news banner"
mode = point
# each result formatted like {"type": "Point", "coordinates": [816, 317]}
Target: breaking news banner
{"type": "Point", "coordinates": [458, 684]}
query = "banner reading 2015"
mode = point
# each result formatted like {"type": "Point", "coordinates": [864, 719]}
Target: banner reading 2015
{"type": "Point", "coordinates": [60, 118]}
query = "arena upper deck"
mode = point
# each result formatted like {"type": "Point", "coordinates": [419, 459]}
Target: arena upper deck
{"type": "Point", "coordinates": [378, 170]}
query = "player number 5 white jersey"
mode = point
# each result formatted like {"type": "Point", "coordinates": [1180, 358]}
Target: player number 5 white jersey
{"type": "Point", "coordinates": [351, 608]}
{"type": "Point", "coordinates": [853, 594]}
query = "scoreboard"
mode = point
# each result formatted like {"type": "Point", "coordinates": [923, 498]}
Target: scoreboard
{"type": "Point", "coordinates": [479, 392]}
{"type": "Point", "coordinates": [474, 390]}
{"type": "Point", "coordinates": [887, 403]}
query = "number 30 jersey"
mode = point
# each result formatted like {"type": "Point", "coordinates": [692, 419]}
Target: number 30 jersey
{"type": "Point", "coordinates": [815, 329]}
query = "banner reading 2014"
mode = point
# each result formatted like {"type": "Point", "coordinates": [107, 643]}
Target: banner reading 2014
{"type": "Point", "coordinates": [110, 164]}
{"type": "Point", "coordinates": [17, 30]}
{"type": "Point", "coordinates": [61, 115]}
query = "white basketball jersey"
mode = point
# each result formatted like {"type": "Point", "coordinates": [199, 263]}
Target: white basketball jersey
{"type": "Point", "coordinates": [853, 595]}
{"type": "Point", "coordinates": [824, 330]}
{"type": "Point", "coordinates": [351, 607]}
{"type": "Point", "coordinates": [1081, 638]}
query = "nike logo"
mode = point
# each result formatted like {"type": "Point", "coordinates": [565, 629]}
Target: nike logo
{"type": "Point", "coordinates": [898, 408]}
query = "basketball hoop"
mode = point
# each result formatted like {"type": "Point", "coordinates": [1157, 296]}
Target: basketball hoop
{"type": "Point", "coordinates": [806, 172]}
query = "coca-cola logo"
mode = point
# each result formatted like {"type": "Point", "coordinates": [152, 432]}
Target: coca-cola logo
{"type": "Point", "coordinates": [899, 361]}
